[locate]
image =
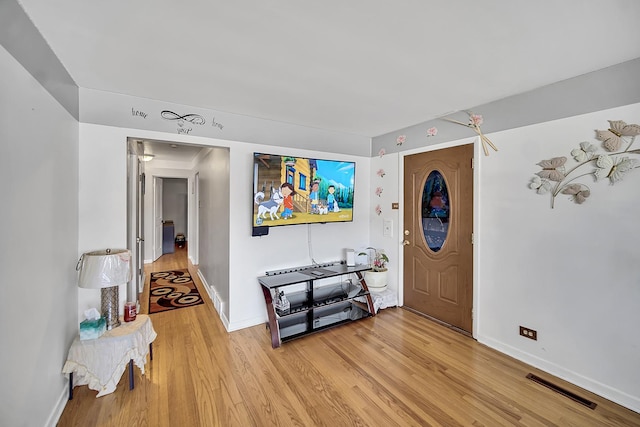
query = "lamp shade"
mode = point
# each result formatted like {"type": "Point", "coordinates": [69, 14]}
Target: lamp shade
{"type": "Point", "coordinates": [102, 269]}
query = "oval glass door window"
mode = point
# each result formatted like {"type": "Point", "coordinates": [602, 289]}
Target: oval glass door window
{"type": "Point", "coordinates": [435, 211]}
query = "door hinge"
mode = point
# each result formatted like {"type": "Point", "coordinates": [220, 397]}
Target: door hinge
{"type": "Point", "coordinates": [472, 163]}
{"type": "Point", "coordinates": [472, 239]}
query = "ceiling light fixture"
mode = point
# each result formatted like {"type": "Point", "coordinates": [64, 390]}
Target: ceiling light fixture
{"type": "Point", "coordinates": [147, 157]}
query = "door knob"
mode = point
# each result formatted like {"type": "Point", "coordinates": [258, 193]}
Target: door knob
{"type": "Point", "coordinates": [406, 232]}
{"type": "Point", "coordinates": [406, 242]}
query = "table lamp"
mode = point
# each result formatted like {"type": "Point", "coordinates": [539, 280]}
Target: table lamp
{"type": "Point", "coordinates": [106, 270]}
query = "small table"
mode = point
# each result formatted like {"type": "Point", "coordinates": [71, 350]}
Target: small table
{"type": "Point", "coordinates": [100, 362]}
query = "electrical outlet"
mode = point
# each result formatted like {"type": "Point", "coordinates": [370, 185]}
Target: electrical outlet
{"type": "Point", "coordinates": [529, 333]}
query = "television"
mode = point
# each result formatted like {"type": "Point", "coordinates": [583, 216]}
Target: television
{"type": "Point", "coordinates": [289, 190]}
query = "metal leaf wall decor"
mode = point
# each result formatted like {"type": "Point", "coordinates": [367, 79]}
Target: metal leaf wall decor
{"type": "Point", "coordinates": [616, 160]}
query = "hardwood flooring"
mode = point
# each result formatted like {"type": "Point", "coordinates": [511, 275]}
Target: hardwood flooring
{"type": "Point", "coordinates": [395, 369]}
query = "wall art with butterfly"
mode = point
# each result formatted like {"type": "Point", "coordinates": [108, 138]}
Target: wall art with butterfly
{"type": "Point", "coordinates": [617, 159]}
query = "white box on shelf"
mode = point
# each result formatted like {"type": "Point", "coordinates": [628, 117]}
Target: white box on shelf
{"type": "Point", "coordinates": [351, 258]}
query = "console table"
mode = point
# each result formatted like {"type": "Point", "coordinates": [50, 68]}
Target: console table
{"type": "Point", "coordinates": [320, 296]}
{"type": "Point", "coordinates": [100, 362]}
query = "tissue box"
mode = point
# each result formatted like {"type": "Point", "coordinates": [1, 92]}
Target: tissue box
{"type": "Point", "coordinates": [92, 329]}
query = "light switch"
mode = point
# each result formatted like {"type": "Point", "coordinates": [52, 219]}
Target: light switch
{"type": "Point", "coordinates": [387, 228]}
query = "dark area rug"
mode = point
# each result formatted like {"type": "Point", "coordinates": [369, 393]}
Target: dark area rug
{"type": "Point", "coordinates": [172, 289]}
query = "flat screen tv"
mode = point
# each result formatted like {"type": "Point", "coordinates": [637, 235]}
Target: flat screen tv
{"type": "Point", "coordinates": [291, 190]}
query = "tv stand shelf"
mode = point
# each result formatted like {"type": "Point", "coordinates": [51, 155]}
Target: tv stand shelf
{"type": "Point", "coordinates": [315, 304]}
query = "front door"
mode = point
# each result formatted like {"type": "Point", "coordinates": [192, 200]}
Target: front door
{"type": "Point", "coordinates": [438, 219]}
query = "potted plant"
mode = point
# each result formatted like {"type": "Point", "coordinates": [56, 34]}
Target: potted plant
{"type": "Point", "coordinates": [376, 278]}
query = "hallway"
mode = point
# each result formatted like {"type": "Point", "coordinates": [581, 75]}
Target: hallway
{"type": "Point", "coordinates": [177, 260]}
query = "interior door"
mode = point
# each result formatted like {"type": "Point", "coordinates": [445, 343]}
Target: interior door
{"type": "Point", "coordinates": [157, 217]}
{"type": "Point", "coordinates": [438, 251]}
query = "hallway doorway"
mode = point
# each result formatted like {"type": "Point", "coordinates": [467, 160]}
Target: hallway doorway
{"type": "Point", "coordinates": [151, 162]}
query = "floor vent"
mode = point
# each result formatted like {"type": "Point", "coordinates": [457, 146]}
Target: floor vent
{"type": "Point", "coordinates": [581, 400]}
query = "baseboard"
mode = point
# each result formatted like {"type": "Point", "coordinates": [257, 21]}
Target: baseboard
{"type": "Point", "coordinates": [602, 390]}
{"type": "Point", "coordinates": [61, 403]}
{"type": "Point", "coordinates": [217, 302]}
{"type": "Point", "coordinates": [206, 286]}
{"type": "Point", "coordinates": [225, 321]}
{"type": "Point", "coordinates": [246, 324]}
{"type": "Point", "coordinates": [220, 308]}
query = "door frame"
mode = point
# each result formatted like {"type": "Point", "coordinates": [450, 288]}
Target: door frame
{"type": "Point", "coordinates": [135, 224]}
{"type": "Point", "coordinates": [157, 210]}
{"type": "Point", "coordinates": [478, 157]}
{"type": "Point", "coordinates": [193, 228]}
{"type": "Point", "coordinates": [194, 251]}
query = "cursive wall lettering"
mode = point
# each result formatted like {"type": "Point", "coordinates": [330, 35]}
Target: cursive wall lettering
{"type": "Point", "coordinates": [216, 124]}
{"type": "Point", "coordinates": [195, 119]}
{"type": "Point", "coordinates": [138, 113]}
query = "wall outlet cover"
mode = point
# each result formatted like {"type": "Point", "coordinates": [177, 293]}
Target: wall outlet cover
{"type": "Point", "coordinates": [387, 228]}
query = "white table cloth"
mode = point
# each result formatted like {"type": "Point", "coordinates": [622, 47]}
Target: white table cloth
{"type": "Point", "coordinates": [100, 362]}
{"type": "Point", "coordinates": [381, 299]}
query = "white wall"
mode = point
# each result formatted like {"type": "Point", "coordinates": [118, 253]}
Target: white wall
{"type": "Point", "coordinates": [115, 109]}
{"type": "Point", "coordinates": [214, 233]}
{"type": "Point", "coordinates": [284, 246]}
{"type": "Point", "coordinates": [388, 182]}
{"type": "Point", "coordinates": [39, 246]}
{"type": "Point", "coordinates": [102, 221]}
{"type": "Point", "coordinates": [572, 272]}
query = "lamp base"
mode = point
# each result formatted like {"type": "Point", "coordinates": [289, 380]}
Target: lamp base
{"type": "Point", "coordinates": [109, 302]}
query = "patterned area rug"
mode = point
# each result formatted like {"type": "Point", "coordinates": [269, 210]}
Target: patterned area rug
{"type": "Point", "coordinates": [172, 289]}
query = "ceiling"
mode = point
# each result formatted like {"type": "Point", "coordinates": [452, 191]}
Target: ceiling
{"type": "Point", "coordinates": [171, 151]}
{"type": "Point", "coordinates": [365, 67]}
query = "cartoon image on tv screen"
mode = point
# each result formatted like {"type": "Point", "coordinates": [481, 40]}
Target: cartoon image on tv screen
{"type": "Point", "coordinates": [298, 190]}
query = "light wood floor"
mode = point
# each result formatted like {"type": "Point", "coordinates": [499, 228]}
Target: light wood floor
{"type": "Point", "coordinates": [395, 369]}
